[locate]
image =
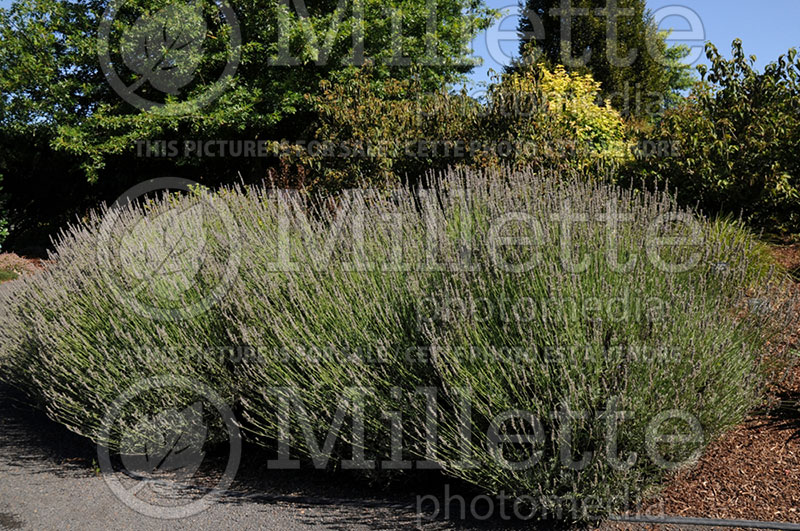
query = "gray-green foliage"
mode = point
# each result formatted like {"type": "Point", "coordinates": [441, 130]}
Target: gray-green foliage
{"type": "Point", "coordinates": [75, 344]}
{"type": "Point", "coordinates": [677, 345]}
{"type": "Point", "coordinates": [415, 297]}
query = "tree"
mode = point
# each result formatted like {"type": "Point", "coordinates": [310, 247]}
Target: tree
{"type": "Point", "coordinates": [616, 40]}
{"type": "Point", "coordinates": [98, 82]}
{"type": "Point", "coordinates": [51, 71]}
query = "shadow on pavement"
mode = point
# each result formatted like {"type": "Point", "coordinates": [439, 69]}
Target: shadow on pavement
{"type": "Point", "coordinates": [28, 437]}
{"type": "Point", "coordinates": [32, 443]}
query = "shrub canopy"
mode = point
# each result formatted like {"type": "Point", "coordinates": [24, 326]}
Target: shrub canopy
{"type": "Point", "coordinates": [380, 132]}
{"type": "Point", "coordinates": [737, 136]}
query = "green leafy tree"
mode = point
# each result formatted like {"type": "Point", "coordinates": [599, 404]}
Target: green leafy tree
{"type": "Point", "coordinates": [50, 51]}
{"type": "Point", "coordinates": [55, 88]}
{"type": "Point", "coordinates": [617, 41]}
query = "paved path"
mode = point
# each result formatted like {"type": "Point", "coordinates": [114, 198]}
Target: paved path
{"type": "Point", "coordinates": [47, 481]}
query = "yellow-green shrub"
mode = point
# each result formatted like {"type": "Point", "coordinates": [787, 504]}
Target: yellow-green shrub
{"type": "Point", "coordinates": [554, 118]}
{"type": "Point", "coordinates": [380, 131]}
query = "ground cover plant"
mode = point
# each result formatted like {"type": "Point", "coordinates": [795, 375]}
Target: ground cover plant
{"type": "Point", "coordinates": [431, 311]}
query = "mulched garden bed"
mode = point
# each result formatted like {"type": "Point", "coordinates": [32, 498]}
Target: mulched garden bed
{"type": "Point", "coordinates": [752, 472]}
{"type": "Point", "coordinates": [20, 265]}
{"type": "Point", "coordinates": [789, 257]}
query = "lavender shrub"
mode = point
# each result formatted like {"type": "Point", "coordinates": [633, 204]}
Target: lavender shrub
{"type": "Point", "coordinates": [526, 332]}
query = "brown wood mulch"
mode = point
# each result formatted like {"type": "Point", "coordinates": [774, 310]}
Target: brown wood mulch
{"type": "Point", "coordinates": [753, 471]}
{"type": "Point", "coordinates": [789, 257]}
{"type": "Point", "coordinates": [20, 264]}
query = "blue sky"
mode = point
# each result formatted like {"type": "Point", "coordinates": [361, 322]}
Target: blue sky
{"type": "Point", "coordinates": [767, 29]}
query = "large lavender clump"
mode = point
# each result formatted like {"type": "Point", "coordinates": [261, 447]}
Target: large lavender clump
{"type": "Point", "coordinates": [421, 317]}
{"type": "Point", "coordinates": [421, 300]}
